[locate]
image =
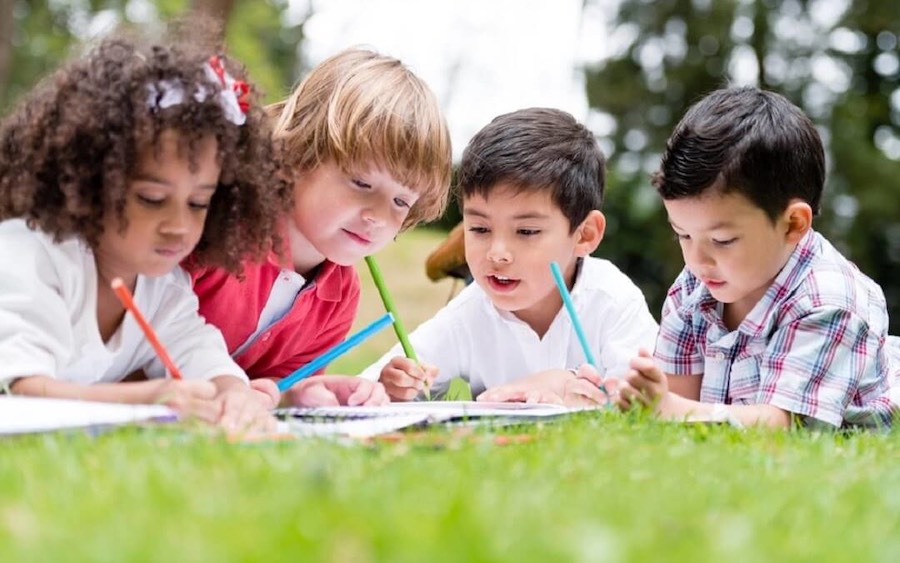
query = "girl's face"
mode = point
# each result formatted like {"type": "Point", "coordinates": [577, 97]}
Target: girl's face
{"type": "Point", "coordinates": [165, 208]}
{"type": "Point", "coordinates": [343, 217]}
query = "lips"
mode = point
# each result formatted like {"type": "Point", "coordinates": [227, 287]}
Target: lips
{"type": "Point", "coordinates": [502, 284]}
{"type": "Point", "coordinates": [171, 251]}
{"type": "Point", "coordinates": [357, 238]}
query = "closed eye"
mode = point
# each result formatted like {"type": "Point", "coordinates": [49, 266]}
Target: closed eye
{"type": "Point", "coordinates": [479, 230]}
{"type": "Point", "coordinates": [725, 242]}
{"type": "Point", "coordinates": [150, 201]}
{"type": "Point", "coordinates": [528, 232]}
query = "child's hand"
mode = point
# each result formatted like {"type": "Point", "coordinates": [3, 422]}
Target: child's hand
{"type": "Point", "coordinates": [404, 379]}
{"type": "Point", "coordinates": [584, 389]}
{"type": "Point", "coordinates": [645, 384]}
{"type": "Point", "coordinates": [557, 386]}
{"type": "Point", "coordinates": [268, 390]}
{"type": "Point", "coordinates": [334, 390]}
{"type": "Point", "coordinates": [245, 410]}
{"type": "Point", "coordinates": [191, 398]}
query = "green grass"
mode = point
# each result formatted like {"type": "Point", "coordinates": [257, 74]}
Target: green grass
{"type": "Point", "coordinates": [595, 487]}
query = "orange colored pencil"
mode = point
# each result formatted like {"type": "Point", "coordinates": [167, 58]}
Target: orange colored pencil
{"type": "Point", "coordinates": [125, 297]}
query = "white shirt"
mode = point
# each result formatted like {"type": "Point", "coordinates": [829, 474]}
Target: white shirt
{"type": "Point", "coordinates": [48, 317]}
{"type": "Point", "coordinates": [472, 339]}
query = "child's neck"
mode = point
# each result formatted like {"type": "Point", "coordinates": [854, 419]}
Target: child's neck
{"type": "Point", "coordinates": [304, 256]}
{"type": "Point", "coordinates": [110, 311]}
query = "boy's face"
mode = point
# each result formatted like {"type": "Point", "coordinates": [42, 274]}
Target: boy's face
{"type": "Point", "coordinates": [344, 217]}
{"type": "Point", "coordinates": [165, 207]}
{"type": "Point", "coordinates": [732, 246]}
{"type": "Point", "coordinates": [510, 240]}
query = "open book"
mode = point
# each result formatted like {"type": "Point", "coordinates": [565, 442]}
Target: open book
{"type": "Point", "coordinates": [361, 422]}
{"type": "Point", "coordinates": [23, 415]}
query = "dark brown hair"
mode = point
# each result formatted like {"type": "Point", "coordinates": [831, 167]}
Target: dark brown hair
{"type": "Point", "coordinates": [67, 151]}
{"type": "Point", "coordinates": [748, 141]}
{"type": "Point", "coordinates": [537, 149]}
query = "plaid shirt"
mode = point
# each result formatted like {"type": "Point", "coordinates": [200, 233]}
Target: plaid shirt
{"type": "Point", "coordinates": [815, 345]}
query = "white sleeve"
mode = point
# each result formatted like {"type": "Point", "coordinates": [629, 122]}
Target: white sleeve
{"type": "Point", "coordinates": [35, 326]}
{"type": "Point", "coordinates": [196, 347]}
{"type": "Point", "coordinates": [627, 329]}
{"type": "Point", "coordinates": [436, 343]}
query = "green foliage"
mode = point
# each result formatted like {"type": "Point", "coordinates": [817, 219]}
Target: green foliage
{"type": "Point", "coordinates": [681, 49]}
{"type": "Point", "coordinates": [598, 487]}
{"type": "Point", "coordinates": [45, 33]}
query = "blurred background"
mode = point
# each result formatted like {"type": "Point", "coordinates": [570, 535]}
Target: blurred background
{"type": "Point", "coordinates": [627, 68]}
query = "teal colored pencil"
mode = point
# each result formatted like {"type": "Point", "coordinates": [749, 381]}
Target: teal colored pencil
{"type": "Point", "coordinates": [333, 352]}
{"type": "Point", "coordinates": [570, 307]}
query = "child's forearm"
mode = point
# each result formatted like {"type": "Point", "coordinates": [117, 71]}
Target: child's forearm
{"type": "Point", "coordinates": [676, 407]}
{"type": "Point", "coordinates": [42, 386]}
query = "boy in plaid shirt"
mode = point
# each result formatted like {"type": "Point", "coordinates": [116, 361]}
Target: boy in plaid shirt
{"type": "Point", "coordinates": [768, 322]}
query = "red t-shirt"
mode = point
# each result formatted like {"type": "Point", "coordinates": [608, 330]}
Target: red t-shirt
{"type": "Point", "coordinates": [320, 317]}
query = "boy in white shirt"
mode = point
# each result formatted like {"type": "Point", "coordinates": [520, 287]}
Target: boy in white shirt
{"type": "Point", "coordinates": [531, 185]}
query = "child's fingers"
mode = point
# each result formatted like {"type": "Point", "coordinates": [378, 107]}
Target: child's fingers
{"type": "Point", "coordinates": [542, 396]}
{"type": "Point", "coordinates": [398, 393]}
{"type": "Point", "coordinates": [503, 394]}
{"type": "Point", "coordinates": [268, 389]}
{"type": "Point", "coordinates": [207, 410]}
{"type": "Point", "coordinates": [361, 394]}
{"type": "Point", "coordinates": [378, 396]}
{"type": "Point", "coordinates": [319, 396]}
{"type": "Point", "coordinates": [589, 373]}
{"type": "Point", "coordinates": [583, 392]}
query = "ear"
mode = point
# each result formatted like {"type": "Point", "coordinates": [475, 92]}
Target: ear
{"type": "Point", "coordinates": [589, 233]}
{"type": "Point", "coordinates": [797, 219]}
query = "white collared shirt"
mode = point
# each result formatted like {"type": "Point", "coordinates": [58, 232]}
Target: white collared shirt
{"type": "Point", "coordinates": [470, 338]}
{"type": "Point", "coordinates": [48, 317]}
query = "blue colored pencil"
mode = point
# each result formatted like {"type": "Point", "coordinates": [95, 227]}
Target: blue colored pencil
{"type": "Point", "coordinates": [334, 352]}
{"type": "Point", "coordinates": [570, 307]}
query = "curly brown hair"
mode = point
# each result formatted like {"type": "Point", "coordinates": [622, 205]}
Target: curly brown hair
{"type": "Point", "coordinates": [67, 151]}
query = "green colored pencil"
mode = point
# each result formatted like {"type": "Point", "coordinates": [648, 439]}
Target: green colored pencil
{"type": "Point", "coordinates": [402, 336]}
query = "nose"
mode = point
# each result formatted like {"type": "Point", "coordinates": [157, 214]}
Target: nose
{"type": "Point", "coordinates": [375, 215]}
{"type": "Point", "coordinates": [177, 220]}
{"type": "Point", "coordinates": [695, 255]}
{"type": "Point", "coordinates": [499, 252]}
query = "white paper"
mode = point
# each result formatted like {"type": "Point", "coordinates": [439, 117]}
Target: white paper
{"type": "Point", "coordinates": [360, 422]}
{"type": "Point", "coordinates": [22, 415]}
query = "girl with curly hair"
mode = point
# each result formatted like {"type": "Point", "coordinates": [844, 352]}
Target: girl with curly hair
{"type": "Point", "coordinates": [119, 165]}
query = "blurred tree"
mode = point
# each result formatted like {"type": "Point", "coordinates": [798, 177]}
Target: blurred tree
{"type": "Point", "coordinates": [837, 59]}
{"type": "Point", "coordinates": [261, 34]}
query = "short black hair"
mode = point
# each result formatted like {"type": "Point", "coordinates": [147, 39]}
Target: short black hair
{"type": "Point", "coordinates": [537, 149]}
{"type": "Point", "coordinates": [749, 141]}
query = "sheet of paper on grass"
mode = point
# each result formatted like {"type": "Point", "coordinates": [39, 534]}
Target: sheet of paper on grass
{"type": "Point", "coordinates": [361, 422]}
{"type": "Point", "coordinates": [23, 415]}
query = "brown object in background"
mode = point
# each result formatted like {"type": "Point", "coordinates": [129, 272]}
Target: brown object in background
{"type": "Point", "coordinates": [449, 259]}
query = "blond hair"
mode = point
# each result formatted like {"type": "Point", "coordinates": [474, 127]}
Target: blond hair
{"type": "Point", "coordinates": [359, 107]}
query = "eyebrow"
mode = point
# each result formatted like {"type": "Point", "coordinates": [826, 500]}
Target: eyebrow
{"type": "Point", "coordinates": [716, 226]}
{"type": "Point", "coordinates": [149, 177]}
{"type": "Point", "coordinates": [521, 216]}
